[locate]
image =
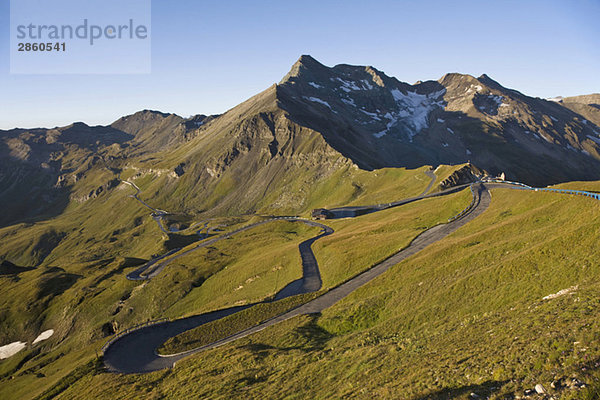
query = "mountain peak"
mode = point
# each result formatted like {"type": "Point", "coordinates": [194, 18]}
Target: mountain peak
{"type": "Point", "coordinates": [486, 80]}
{"type": "Point", "coordinates": [152, 112]}
{"type": "Point", "coordinates": [306, 65]}
{"type": "Point", "coordinates": [308, 60]}
{"type": "Point", "coordinates": [456, 77]}
{"type": "Point", "coordinates": [143, 115]}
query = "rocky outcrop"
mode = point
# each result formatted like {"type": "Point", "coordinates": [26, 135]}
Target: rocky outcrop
{"type": "Point", "coordinates": [98, 191]}
{"type": "Point", "coordinates": [467, 174]}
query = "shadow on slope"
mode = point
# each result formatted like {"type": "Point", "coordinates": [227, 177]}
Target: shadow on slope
{"type": "Point", "coordinates": [482, 390]}
{"type": "Point", "coordinates": [34, 163]}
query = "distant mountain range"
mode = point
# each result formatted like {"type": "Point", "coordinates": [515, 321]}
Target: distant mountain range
{"type": "Point", "coordinates": [379, 121]}
{"type": "Point", "coordinates": [278, 149]}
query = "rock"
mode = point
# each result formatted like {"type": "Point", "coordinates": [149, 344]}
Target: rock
{"type": "Point", "coordinates": [558, 383]}
{"type": "Point", "coordinates": [575, 383]}
{"type": "Point", "coordinates": [528, 392]}
{"type": "Point", "coordinates": [539, 388]}
{"type": "Point", "coordinates": [179, 170]}
{"type": "Point", "coordinates": [474, 395]}
{"type": "Point", "coordinates": [110, 328]}
{"type": "Point", "coordinates": [466, 174]}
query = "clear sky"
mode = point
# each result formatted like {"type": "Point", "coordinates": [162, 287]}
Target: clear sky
{"type": "Point", "coordinates": [208, 56]}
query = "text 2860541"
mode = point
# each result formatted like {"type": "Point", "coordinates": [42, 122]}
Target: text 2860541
{"type": "Point", "coordinates": [43, 46]}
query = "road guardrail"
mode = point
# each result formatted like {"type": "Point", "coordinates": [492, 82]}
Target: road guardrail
{"type": "Point", "coordinates": [117, 335]}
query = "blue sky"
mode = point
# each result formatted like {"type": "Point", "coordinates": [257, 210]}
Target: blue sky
{"type": "Point", "coordinates": [209, 56]}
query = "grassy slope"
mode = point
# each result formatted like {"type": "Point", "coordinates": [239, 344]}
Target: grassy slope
{"type": "Point", "coordinates": [79, 284]}
{"type": "Point", "coordinates": [356, 245]}
{"type": "Point", "coordinates": [248, 267]}
{"type": "Point", "coordinates": [76, 305]}
{"type": "Point", "coordinates": [363, 188]}
{"type": "Point", "coordinates": [443, 172]}
{"type": "Point", "coordinates": [230, 325]}
{"type": "Point", "coordinates": [359, 243]}
{"type": "Point", "coordinates": [427, 326]}
{"type": "Point", "coordinates": [299, 194]}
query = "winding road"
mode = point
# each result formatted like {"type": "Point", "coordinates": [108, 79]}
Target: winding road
{"type": "Point", "coordinates": [155, 266]}
{"type": "Point", "coordinates": [157, 215]}
{"type": "Point", "coordinates": [355, 211]}
{"type": "Point", "coordinates": [135, 352]}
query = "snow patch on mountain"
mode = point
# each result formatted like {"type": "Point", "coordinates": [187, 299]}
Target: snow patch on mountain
{"type": "Point", "coordinates": [547, 139]}
{"type": "Point", "coordinates": [473, 88]}
{"type": "Point", "coordinates": [367, 84]}
{"type": "Point", "coordinates": [44, 336]}
{"type": "Point", "coordinates": [370, 114]}
{"type": "Point", "coordinates": [413, 110]}
{"type": "Point", "coordinates": [317, 100]}
{"type": "Point", "coordinates": [11, 349]}
{"type": "Point", "coordinates": [347, 86]}
{"type": "Point", "coordinates": [315, 85]}
{"type": "Point", "coordinates": [348, 101]}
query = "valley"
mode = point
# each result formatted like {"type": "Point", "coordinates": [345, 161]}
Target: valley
{"type": "Point", "coordinates": [427, 277]}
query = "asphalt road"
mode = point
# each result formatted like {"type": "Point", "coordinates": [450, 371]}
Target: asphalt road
{"type": "Point", "coordinates": [135, 352]}
{"type": "Point", "coordinates": [155, 266]}
{"type": "Point", "coordinates": [157, 215]}
{"type": "Point", "coordinates": [354, 211]}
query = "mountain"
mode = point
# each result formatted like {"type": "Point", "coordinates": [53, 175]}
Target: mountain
{"type": "Point", "coordinates": [323, 136]}
{"type": "Point", "coordinates": [42, 170]}
{"type": "Point", "coordinates": [308, 141]}
{"type": "Point", "coordinates": [587, 105]}
{"type": "Point", "coordinates": [39, 166]}
{"type": "Point", "coordinates": [286, 149]}
{"type": "Point", "coordinates": [378, 121]}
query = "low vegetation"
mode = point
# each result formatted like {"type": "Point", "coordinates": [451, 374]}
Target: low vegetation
{"type": "Point", "coordinates": [425, 328]}
{"type": "Point", "coordinates": [86, 297]}
{"type": "Point", "coordinates": [225, 327]}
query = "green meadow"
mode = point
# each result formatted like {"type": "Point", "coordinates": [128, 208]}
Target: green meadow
{"type": "Point", "coordinates": [468, 315]}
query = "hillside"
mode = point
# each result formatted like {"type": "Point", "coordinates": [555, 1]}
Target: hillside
{"type": "Point", "coordinates": [586, 105]}
{"type": "Point", "coordinates": [426, 327]}
{"type": "Point", "coordinates": [378, 121]}
{"type": "Point", "coordinates": [84, 206]}
{"type": "Point", "coordinates": [285, 149]}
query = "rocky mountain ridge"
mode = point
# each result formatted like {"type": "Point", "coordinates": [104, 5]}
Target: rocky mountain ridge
{"type": "Point", "coordinates": [378, 121]}
{"type": "Point", "coordinates": [282, 147]}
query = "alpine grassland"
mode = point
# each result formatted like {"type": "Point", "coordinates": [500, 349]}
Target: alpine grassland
{"type": "Point", "coordinates": [504, 303]}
